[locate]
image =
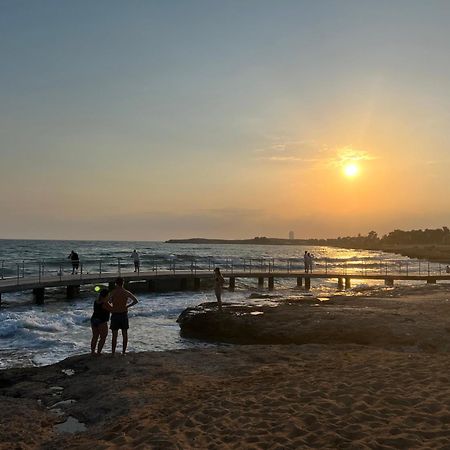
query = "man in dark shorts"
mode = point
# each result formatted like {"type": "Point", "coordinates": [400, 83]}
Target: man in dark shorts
{"type": "Point", "coordinates": [118, 299]}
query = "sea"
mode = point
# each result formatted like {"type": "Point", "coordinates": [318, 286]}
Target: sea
{"type": "Point", "coordinates": [32, 335]}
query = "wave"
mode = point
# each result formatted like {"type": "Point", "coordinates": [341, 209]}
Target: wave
{"type": "Point", "coordinates": [31, 324]}
{"type": "Point", "coordinates": [8, 330]}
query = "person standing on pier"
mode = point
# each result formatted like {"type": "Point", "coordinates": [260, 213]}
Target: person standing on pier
{"type": "Point", "coordinates": [119, 302]}
{"type": "Point", "coordinates": [137, 262]}
{"type": "Point", "coordinates": [218, 285]}
{"type": "Point", "coordinates": [75, 261]}
{"type": "Point", "coordinates": [99, 322]}
{"type": "Point", "coordinates": [310, 261]}
{"type": "Point", "coordinates": [306, 261]}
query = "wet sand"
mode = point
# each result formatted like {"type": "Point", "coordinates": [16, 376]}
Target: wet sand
{"type": "Point", "coordinates": [315, 395]}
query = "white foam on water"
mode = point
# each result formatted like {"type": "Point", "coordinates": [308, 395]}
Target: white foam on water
{"type": "Point", "coordinates": [41, 335]}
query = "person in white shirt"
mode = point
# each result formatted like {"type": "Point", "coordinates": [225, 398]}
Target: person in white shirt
{"type": "Point", "coordinates": [306, 261]}
{"type": "Point", "coordinates": [135, 256]}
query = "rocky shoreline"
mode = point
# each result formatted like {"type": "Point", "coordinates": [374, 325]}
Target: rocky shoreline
{"type": "Point", "coordinates": [346, 373]}
{"type": "Point", "coordinates": [415, 324]}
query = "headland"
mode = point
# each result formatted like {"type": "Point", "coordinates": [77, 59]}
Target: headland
{"type": "Point", "coordinates": [431, 245]}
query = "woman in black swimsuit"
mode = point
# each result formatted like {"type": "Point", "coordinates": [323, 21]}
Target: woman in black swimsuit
{"type": "Point", "coordinates": [99, 322]}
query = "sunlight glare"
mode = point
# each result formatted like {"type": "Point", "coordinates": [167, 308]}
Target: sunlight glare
{"type": "Point", "coordinates": [351, 170]}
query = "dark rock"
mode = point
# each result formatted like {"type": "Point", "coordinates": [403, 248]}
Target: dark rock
{"type": "Point", "coordinates": [376, 322]}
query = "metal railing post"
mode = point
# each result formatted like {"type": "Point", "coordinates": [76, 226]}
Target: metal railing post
{"type": "Point", "coordinates": [23, 269]}
{"type": "Point", "coordinates": [3, 268]}
{"type": "Point", "coordinates": [428, 268]}
{"type": "Point", "coordinates": [100, 267]}
{"type": "Point", "coordinates": [60, 272]}
{"type": "Point", "coordinates": [18, 273]}
{"type": "Point", "coordinates": [118, 266]}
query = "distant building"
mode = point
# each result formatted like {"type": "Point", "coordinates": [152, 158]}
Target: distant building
{"type": "Point", "coordinates": [291, 235]}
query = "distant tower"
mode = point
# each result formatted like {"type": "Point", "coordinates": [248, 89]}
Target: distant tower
{"type": "Point", "coordinates": [291, 235]}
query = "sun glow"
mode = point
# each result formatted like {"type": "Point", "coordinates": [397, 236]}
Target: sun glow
{"type": "Point", "coordinates": [351, 170]}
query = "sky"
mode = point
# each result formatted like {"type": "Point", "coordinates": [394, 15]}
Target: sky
{"type": "Point", "coordinates": [151, 120]}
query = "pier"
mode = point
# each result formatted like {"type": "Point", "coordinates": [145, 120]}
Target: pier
{"type": "Point", "coordinates": [166, 277]}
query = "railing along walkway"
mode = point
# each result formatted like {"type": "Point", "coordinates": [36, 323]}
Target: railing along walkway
{"type": "Point", "coordinates": [31, 275]}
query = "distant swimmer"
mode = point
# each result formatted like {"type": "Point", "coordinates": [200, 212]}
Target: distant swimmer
{"type": "Point", "coordinates": [99, 322]}
{"type": "Point", "coordinates": [119, 302]}
{"type": "Point", "coordinates": [218, 286]}
{"type": "Point", "coordinates": [136, 260]}
{"type": "Point", "coordinates": [75, 261]}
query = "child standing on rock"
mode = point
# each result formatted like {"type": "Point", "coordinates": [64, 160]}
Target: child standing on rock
{"type": "Point", "coordinates": [218, 285]}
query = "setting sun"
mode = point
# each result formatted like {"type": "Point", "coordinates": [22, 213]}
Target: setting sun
{"type": "Point", "coordinates": [351, 170]}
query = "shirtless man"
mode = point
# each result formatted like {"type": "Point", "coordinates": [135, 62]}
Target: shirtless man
{"type": "Point", "coordinates": [118, 299]}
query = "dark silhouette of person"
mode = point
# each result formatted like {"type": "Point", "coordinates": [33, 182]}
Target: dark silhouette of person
{"type": "Point", "coordinates": [218, 285]}
{"type": "Point", "coordinates": [310, 261]}
{"type": "Point", "coordinates": [119, 302]}
{"type": "Point", "coordinates": [75, 261]}
{"type": "Point", "coordinates": [99, 322]}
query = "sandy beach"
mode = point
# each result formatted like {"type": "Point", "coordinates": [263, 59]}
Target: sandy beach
{"type": "Point", "coordinates": [386, 393]}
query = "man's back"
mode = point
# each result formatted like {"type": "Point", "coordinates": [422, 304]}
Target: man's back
{"type": "Point", "coordinates": [118, 298]}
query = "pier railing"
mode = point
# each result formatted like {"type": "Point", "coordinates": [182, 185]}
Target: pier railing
{"type": "Point", "coordinates": [40, 270]}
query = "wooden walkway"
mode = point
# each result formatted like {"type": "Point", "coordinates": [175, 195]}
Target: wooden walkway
{"type": "Point", "coordinates": [168, 280]}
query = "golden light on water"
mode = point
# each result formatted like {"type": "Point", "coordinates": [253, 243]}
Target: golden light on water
{"type": "Point", "coordinates": [351, 170]}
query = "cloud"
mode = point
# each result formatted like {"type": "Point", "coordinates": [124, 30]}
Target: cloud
{"type": "Point", "coordinates": [341, 156]}
{"type": "Point", "coordinates": [304, 151]}
{"type": "Point", "coordinates": [313, 153]}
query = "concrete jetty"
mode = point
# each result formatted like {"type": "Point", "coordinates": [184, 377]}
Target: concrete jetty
{"type": "Point", "coordinates": [164, 281]}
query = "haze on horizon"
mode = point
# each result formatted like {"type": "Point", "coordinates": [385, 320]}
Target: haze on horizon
{"type": "Point", "coordinates": [165, 119]}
